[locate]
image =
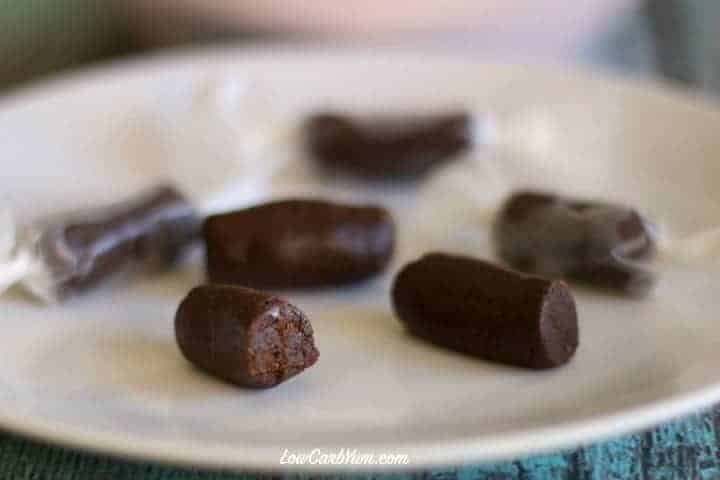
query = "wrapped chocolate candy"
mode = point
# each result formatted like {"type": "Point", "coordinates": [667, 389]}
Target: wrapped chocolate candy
{"type": "Point", "coordinates": [388, 146]}
{"type": "Point", "coordinates": [66, 255]}
{"type": "Point", "coordinates": [220, 118]}
{"type": "Point", "coordinates": [600, 244]}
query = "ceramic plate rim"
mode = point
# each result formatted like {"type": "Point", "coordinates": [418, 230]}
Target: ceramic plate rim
{"type": "Point", "coordinates": [482, 448]}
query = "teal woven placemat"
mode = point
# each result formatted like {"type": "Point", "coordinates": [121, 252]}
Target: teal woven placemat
{"type": "Point", "coordinates": [683, 450]}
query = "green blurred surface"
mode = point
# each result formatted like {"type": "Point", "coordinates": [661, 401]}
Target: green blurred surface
{"type": "Point", "coordinates": [677, 38]}
{"type": "Point", "coordinates": [38, 37]}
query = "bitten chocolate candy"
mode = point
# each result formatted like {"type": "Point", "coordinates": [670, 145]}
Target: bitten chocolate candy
{"type": "Point", "coordinates": [477, 308]}
{"type": "Point", "coordinates": [386, 146]}
{"type": "Point", "coordinates": [600, 244]}
{"type": "Point", "coordinates": [244, 336]}
{"type": "Point", "coordinates": [298, 243]}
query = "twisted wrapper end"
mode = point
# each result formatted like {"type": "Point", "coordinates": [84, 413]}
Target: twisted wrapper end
{"type": "Point", "coordinates": [224, 139]}
{"type": "Point", "coordinates": [15, 262]}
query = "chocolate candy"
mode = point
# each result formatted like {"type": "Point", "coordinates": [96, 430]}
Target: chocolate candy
{"type": "Point", "coordinates": [600, 244]}
{"type": "Point", "coordinates": [477, 308]}
{"type": "Point", "coordinates": [244, 336]}
{"type": "Point", "coordinates": [298, 243]}
{"type": "Point", "coordinates": [74, 253]}
{"type": "Point", "coordinates": [389, 147]}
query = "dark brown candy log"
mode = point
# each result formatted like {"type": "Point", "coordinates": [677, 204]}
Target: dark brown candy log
{"type": "Point", "coordinates": [477, 308]}
{"type": "Point", "coordinates": [600, 244]}
{"type": "Point", "coordinates": [386, 146]}
{"type": "Point", "coordinates": [298, 243]}
{"type": "Point", "coordinates": [152, 228]}
{"type": "Point", "coordinates": [244, 336]}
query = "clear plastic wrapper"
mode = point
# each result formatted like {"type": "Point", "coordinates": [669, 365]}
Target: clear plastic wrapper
{"type": "Point", "coordinates": [700, 247]}
{"type": "Point", "coordinates": [56, 258]}
{"type": "Point", "coordinates": [223, 138]}
{"type": "Point", "coordinates": [221, 144]}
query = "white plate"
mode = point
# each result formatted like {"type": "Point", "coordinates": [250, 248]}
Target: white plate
{"type": "Point", "coordinates": [103, 371]}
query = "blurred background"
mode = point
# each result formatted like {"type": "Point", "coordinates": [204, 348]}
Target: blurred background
{"type": "Point", "coordinates": [673, 38]}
